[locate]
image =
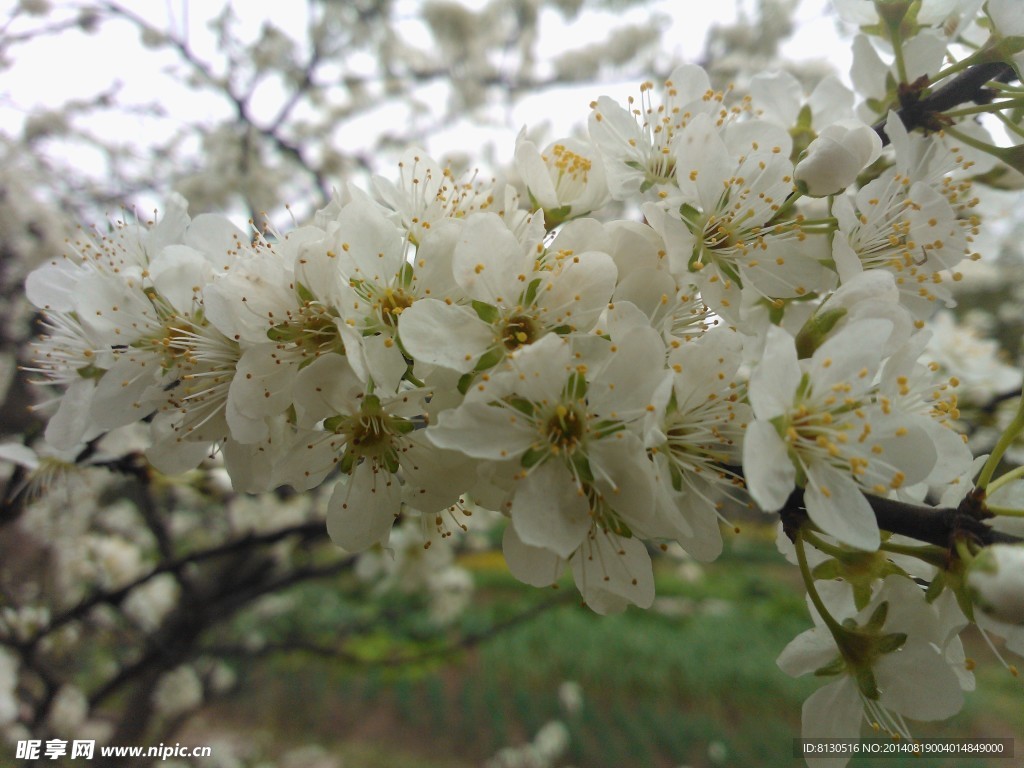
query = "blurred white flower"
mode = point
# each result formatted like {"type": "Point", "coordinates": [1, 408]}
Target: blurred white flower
{"type": "Point", "coordinates": [149, 603]}
{"type": "Point", "coordinates": [68, 711]}
{"type": "Point", "coordinates": [996, 582]}
{"type": "Point", "coordinates": [177, 692]}
{"type": "Point", "coordinates": [976, 362]}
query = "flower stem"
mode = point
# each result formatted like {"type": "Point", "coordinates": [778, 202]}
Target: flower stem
{"type": "Point", "coordinates": [819, 605]}
{"type": "Point", "coordinates": [989, 149]}
{"type": "Point", "coordinates": [1005, 440]}
{"type": "Point", "coordinates": [993, 107]}
{"type": "Point", "coordinates": [1002, 480]}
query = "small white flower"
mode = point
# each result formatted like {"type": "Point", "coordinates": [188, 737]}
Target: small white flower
{"type": "Point", "coordinates": [639, 144]}
{"type": "Point", "coordinates": [719, 231]}
{"type": "Point", "coordinates": [583, 490]}
{"type": "Point", "coordinates": [818, 426]}
{"type": "Point", "coordinates": [427, 194]}
{"type": "Point", "coordinates": [371, 438]}
{"type": "Point", "coordinates": [888, 662]}
{"type": "Point", "coordinates": [566, 179]}
{"type": "Point", "coordinates": [517, 293]}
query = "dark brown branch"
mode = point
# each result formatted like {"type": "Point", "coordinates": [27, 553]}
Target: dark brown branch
{"type": "Point", "coordinates": [941, 526]}
{"type": "Point", "coordinates": [310, 531]}
{"type": "Point", "coordinates": [968, 86]}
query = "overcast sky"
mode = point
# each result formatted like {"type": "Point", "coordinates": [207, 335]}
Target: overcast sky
{"type": "Point", "coordinates": [53, 70]}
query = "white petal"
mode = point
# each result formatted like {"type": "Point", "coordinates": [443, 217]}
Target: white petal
{"type": "Point", "coordinates": [832, 712]}
{"type": "Point", "coordinates": [610, 571]}
{"type": "Point", "coordinates": [836, 504]}
{"type": "Point", "coordinates": [179, 274]}
{"type": "Point", "coordinates": [535, 566]}
{"type": "Point", "coordinates": [549, 511]}
{"type": "Point", "coordinates": [173, 456]}
{"type": "Point", "coordinates": [917, 682]}
{"type": "Point", "coordinates": [262, 384]}
{"type": "Point", "coordinates": [363, 508]}
{"type": "Point", "coordinates": [127, 392]}
{"type": "Point", "coordinates": [73, 422]}
{"type": "Point", "coordinates": [769, 473]}
{"type": "Point", "coordinates": [216, 237]}
{"type": "Point", "coordinates": [444, 334]}
{"type": "Point", "coordinates": [53, 286]}
{"type": "Point", "coordinates": [19, 454]}
{"type": "Point", "coordinates": [534, 172]}
{"type": "Point", "coordinates": [385, 361]}
{"type": "Point", "coordinates": [484, 431]}
{"type": "Point", "coordinates": [808, 652]}
{"type": "Point", "coordinates": [249, 466]}
{"type": "Point", "coordinates": [489, 263]}
{"type": "Point", "coordinates": [851, 356]}
{"type": "Point", "coordinates": [326, 387]}
{"type": "Point", "coordinates": [774, 381]}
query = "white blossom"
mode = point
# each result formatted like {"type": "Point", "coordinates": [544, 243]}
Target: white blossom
{"type": "Point", "coordinates": [835, 158]}
{"type": "Point", "coordinates": [996, 581]}
{"type": "Point", "coordinates": [177, 692]}
{"type": "Point", "coordinates": [888, 660]}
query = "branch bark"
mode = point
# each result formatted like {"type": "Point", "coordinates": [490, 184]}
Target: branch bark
{"type": "Point", "coordinates": [968, 86]}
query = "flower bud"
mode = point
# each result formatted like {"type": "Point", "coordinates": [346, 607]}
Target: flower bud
{"type": "Point", "coordinates": [834, 159]}
{"type": "Point", "coordinates": [996, 582]}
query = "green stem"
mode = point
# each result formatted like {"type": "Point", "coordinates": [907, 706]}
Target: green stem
{"type": "Point", "coordinates": [897, 46]}
{"type": "Point", "coordinates": [1005, 440]}
{"type": "Point", "coordinates": [970, 141]}
{"type": "Point", "coordinates": [788, 205]}
{"type": "Point", "coordinates": [928, 554]}
{"type": "Point", "coordinates": [1004, 511]}
{"type": "Point", "coordinates": [1002, 480]}
{"type": "Point", "coordinates": [819, 605]}
{"type": "Point", "coordinates": [992, 107]}
{"type": "Point", "coordinates": [1010, 124]}
{"type": "Point", "coordinates": [820, 544]}
{"type": "Point", "coordinates": [953, 68]}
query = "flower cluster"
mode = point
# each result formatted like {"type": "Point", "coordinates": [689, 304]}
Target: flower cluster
{"type": "Point", "coordinates": [607, 385]}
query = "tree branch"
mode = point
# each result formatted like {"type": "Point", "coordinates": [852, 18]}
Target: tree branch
{"type": "Point", "coordinates": [941, 526]}
{"type": "Point", "coordinates": [969, 85]}
{"type": "Point", "coordinates": [306, 531]}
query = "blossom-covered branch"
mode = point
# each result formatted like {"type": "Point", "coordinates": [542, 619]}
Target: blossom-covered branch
{"type": "Point", "coordinates": [758, 337]}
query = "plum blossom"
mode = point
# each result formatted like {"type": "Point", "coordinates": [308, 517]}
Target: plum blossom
{"type": "Point", "coordinates": [904, 224]}
{"type": "Point", "coordinates": [818, 425]}
{"type": "Point", "coordinates": [515, 293]}
{"type": "Point", "coordinates": [371, 439]}
{"type": "Point", "coordinates": [733, 181]}
{"type": "Point", "coordinates": [888, 661]}
{"type": "Point", "coordinates": [639, 144]}
{"type": "Point", "coordinates": [698, 438]}
{"type": "Point", "coordinates": [583, 482]}
{"type": "Point", "coordinates": [565, 180]}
